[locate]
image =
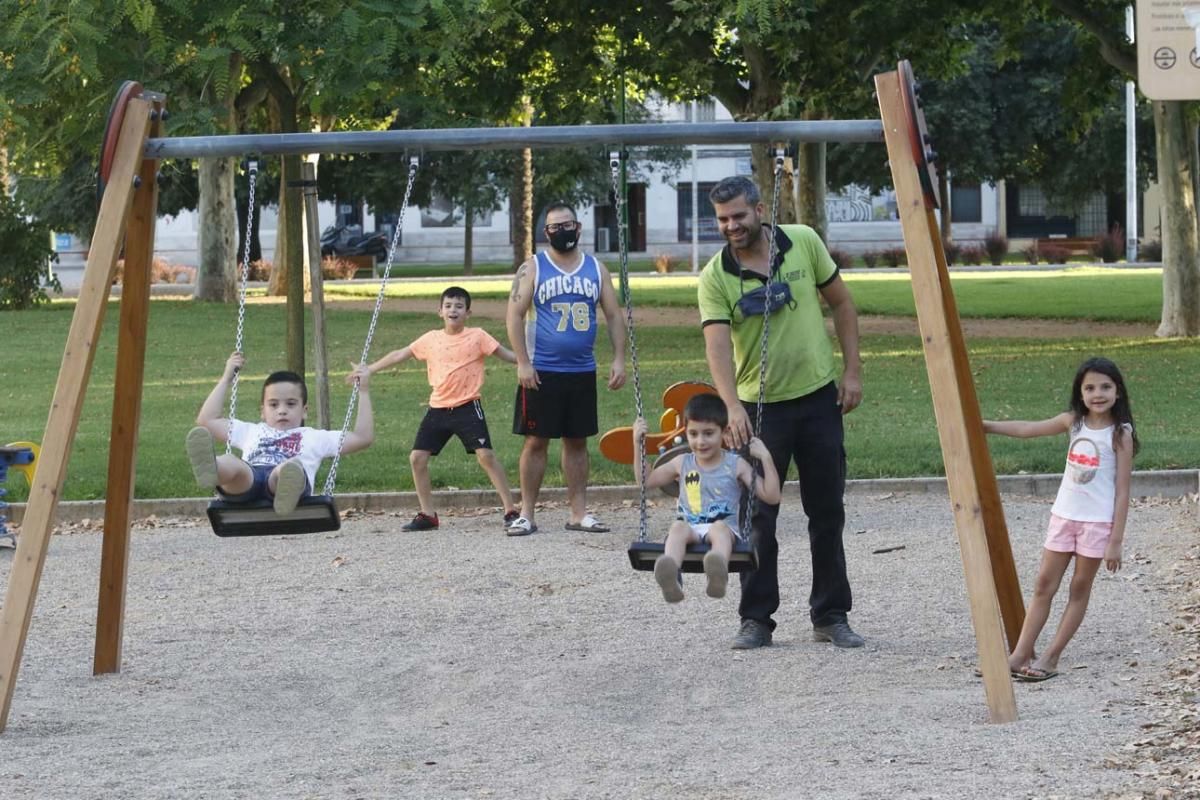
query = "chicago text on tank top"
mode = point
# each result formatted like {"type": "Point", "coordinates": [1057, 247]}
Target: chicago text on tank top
{"type": "Point", "coordinates": [560, 330]}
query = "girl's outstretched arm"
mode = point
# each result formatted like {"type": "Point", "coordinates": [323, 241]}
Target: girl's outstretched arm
{"type": "Point", "coordinates": [1123, 477]}
{"type": "Point", "coordinates": [1025, 429]}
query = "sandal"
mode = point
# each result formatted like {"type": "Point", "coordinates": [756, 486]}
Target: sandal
{"type": "Point", "coordinates": [588, 524]}
{"type": "Point", "coordinates": [520, 527]}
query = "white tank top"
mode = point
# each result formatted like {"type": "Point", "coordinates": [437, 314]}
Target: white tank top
{"type": "Point", "coordinates": [1088, 485]}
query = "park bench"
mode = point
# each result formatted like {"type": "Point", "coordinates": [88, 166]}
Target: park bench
{"type": "Point", "coordinates": [1076, 246]}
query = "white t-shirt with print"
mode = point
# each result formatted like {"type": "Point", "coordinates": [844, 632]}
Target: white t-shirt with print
{"type": "Point", "coordinates": [263, 446]}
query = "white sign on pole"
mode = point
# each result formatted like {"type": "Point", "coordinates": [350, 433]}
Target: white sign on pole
{"type": "Point", "coordinates": [1168, 48]}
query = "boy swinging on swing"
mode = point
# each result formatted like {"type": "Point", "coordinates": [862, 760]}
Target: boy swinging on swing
{"type": "Point", "coordinates": [280, 455]}
{"type": "Point", "coordinates": [710, 479]}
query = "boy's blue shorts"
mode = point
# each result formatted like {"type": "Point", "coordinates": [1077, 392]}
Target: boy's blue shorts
{"type": "Point", "coordinates": [258, 490]}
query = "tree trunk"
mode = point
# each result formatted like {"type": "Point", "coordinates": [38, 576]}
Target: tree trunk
{"type": "Point", "coordinates": [522, 198]}
{"type": "Point", "coordinates": [3, 165]}
{"type": "Point", "coordinates": [1175, 138]}
{"type": "Point", "coordinates": [811, 208]}
{"type": "Point", "coordinates": [468, 240]}
{"type": "Point", "coordinates": [762, 158]}
{"type": "Point", "coordinates": [216, 279]}
{"type": "Point", "coordinates": [292, 227]}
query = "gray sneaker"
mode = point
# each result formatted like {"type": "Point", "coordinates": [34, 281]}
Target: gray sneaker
{"type": "Point", "coordinates": [290, 486]}
{"type": "Point", "coordinates": [666, 573]}
{"type": "Point", "coordinates": [839, 633]}
{"type": "Point", "coordinates": [752, 634]}
{"type": "Point", "coordinates": [202, 455]}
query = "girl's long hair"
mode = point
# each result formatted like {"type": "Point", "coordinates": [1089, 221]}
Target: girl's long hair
{"type": "Point", "coordinates": [1122, 412]}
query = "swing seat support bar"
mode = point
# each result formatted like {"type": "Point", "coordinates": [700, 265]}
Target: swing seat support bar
{"type": "Point", "coordinates": [316, 514]}
{"type": "Point", "coordinates": [642, 556]}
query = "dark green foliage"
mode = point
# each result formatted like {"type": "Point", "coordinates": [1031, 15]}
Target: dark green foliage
{"type": "Point", "coordinates": [1150, 251]}
{"type": "Point", "coordinates": [24, 254]}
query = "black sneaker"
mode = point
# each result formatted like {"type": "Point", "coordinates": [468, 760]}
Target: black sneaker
{"type": "Point", "coordinates": [422, 522]}
{"type": "Point", "coordinates": [839, 633]}
{"type": "Point", "coordinates": [752, 634]}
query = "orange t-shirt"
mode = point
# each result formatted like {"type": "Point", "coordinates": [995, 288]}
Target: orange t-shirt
{"type": "Point", "coordinates": [454, 364]}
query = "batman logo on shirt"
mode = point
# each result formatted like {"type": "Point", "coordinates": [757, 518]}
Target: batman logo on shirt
{"type": "Point", "coordinates": [691, 484]}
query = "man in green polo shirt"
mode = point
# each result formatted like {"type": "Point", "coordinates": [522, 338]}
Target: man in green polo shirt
{"type": "Point", "coordinates": [803, 402]}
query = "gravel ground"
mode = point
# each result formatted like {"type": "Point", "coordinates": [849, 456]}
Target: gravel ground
{"type": "Point", "coordinates": [465, 664]}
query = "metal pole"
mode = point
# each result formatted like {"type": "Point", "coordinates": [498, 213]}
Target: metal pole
{"type": "Point", "coordinates": [695, 197]}
{"type": "Point", "coordinates": [1131, 200]}
{"type": "Point", "coordinates": [867, 130]}
{"type": "Point", "coordinates": [313, 240]}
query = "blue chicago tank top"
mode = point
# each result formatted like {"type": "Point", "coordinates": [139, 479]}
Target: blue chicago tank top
{"type": "Point", "coordinates": [560, 329]}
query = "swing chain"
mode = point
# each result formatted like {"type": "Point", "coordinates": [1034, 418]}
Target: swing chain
{"type": "Point", "coordinates": [331, 479]}
{"type": "Point", "coordinates": [244, 275]}
{"type": "Point", "coordinates": [752, 504]}
{"type": "Point", "coordinates": [614, 161]}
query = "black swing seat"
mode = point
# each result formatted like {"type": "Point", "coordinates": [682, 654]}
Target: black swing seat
{"type": "Point", "coordinates": [744, 557]}
{"type": "Point", "coordinates": [313, 514]}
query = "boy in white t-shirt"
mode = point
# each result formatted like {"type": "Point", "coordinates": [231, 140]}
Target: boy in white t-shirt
{"type": "Point", "coordinates": [280, 456]}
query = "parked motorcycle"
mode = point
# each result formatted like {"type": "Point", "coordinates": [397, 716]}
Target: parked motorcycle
{"type": "Point", "coordinates": [349, 240]}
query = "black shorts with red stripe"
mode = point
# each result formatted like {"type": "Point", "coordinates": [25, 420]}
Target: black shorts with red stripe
{"type": "Point", "coordinates": [562, 407]}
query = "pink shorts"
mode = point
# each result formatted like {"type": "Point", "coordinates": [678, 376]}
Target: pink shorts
{"type": "Point", "coordinates": [1088, 539]}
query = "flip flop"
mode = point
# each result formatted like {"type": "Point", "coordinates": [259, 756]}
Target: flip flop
{"type": "Point", "coordinates": [588, 524]}
{"type": "Point", "coordinates": [1014, 673]}
{"type": "Point", "coordinates": [520, 527]}
{"type": "Point", "coordinates": [1035, 674]}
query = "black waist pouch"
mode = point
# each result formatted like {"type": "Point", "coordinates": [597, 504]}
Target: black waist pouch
{"type": "Point", "coordinates": [769, 296]}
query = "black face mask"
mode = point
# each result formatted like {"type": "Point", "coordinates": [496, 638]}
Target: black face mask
{"type": "Point", "coordinates": [564, 239]}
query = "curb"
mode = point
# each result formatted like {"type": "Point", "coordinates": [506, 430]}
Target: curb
{"type": "Point", "coordinates": [1155, 483]}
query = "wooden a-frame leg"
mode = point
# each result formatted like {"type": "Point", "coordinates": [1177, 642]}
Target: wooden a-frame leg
{"type": "Point", "coordinates": [126, 416]}
{"type": "Point", "coordinates": [69, 393]}
{"type": "Point", "coordinates": [938, 323]}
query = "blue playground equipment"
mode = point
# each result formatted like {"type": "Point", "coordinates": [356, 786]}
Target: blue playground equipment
{"type": "Point", "coordinates": [21, 456]}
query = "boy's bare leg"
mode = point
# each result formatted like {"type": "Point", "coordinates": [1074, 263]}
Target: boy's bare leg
{"type": "Point", "coordinates": [495, 472]}
{"type": "Point", "coordinates": [1049, 576]}
{"type": "Point", "coordinates": [234, 476]}
{"type": "Point", "coordinates": [419, 461]}
{"type": "Point", "coordinates": [575, 472]}
{"type": "Point", "coordinates": [666, 568]}
{"type": "Point", "coordinates": [533, 469]}
{"type": "Point", "coordinates": [716, 560]}
{"type": "Point", "coordinates": [1080, 592]}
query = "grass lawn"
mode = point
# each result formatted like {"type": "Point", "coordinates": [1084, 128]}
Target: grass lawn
{"type": "Point", "coordinates": [891, 435]}
{"type": "Point", "coordinates": [1129, 294]}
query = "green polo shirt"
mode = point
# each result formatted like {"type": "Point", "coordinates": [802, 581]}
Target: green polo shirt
{"type": "Point", "coordinates": [800, 356]}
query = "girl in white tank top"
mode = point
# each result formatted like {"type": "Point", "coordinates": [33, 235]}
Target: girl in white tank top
{"type": "Point", "coordinates": [1087, 521]}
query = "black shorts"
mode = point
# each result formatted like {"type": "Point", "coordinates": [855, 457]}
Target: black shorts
{"type": "Point", "coordinates": [467, 422]}
{"type": "Point", "coordinates": [562, 407]}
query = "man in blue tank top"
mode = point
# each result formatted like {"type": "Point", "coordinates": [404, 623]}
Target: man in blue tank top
{"type": "Point", "coordinates": [552, 327]}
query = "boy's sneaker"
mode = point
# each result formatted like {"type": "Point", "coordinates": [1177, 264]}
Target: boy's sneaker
{"type": "Point", "coordinates": [511, 517]}
{"type": "Point", "coordinates": [666, 572]}
{"type": "Point", "coordinates": [203, 456]}
{"type": "Point", "coordinates": [422, 522]}
{"type": "Point", "coordinates": [716, 569]}
{"type": "Point", "coordinates": [290, 486]}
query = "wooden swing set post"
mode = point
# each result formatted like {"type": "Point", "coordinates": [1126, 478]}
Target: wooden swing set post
{"type": "Point", "coordinates": [993, 590]}
{"type": "Point", "coordinates": [69, 392]}
{"type": "Point", "coordinates": [127, 412]}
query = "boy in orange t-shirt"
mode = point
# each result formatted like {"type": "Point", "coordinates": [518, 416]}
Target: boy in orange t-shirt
{"type": "Point", "coordinates": [454, 362]}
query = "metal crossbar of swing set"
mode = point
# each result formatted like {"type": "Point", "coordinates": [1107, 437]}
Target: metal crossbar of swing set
{"type": "Point", "coordinates": [674, 133]}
